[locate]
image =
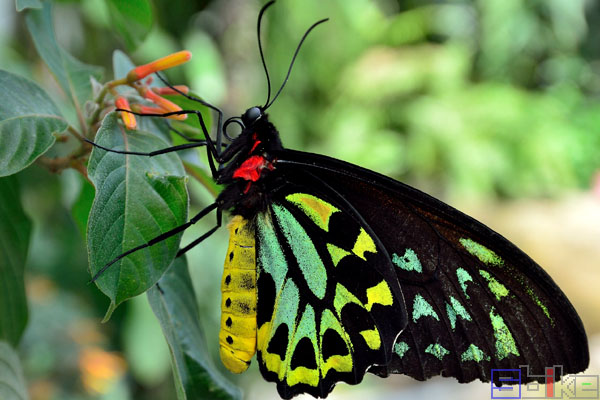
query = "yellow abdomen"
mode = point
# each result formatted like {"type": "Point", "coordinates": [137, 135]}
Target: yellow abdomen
{"type": "Point", "coordinates": [237, 338]}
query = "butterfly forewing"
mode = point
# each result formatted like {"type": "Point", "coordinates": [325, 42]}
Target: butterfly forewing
{"type": "Point", "coordinates": [327, 308]}
{"type": "Point", "coordinates": [474, 301]}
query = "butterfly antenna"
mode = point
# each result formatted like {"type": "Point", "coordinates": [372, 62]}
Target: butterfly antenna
{"type": "Point", "coordinates": [260, 49]}
{"type": "Point", "coordinates": [313, 26]}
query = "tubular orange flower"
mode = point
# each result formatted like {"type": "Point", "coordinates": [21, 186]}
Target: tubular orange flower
{"type": "Point", "coordinates": [128, 118]}
{"type": "Point", "coordinates": [163, 103]}
{"type": "Point", "coordinates": [169, 61]}
{"type": "Point", "coordinates": [167, 90]}
{"type": "Point", "coordinates": [157, 110]}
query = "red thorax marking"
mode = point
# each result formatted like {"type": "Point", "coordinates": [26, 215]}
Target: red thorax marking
{"type": "Point", "coordinates": [251, 168]}
{"type": "Point", "coordinates": [256, 142]}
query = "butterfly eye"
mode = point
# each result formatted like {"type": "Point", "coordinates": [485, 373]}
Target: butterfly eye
{"type": "Point", "coordinates": [251, 115]}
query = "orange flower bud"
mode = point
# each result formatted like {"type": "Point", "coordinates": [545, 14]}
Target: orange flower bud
{"type": "Point", "coordinates": [157, 110]}
{"type": "Point", "coordinates": [167, 90]}
{"type": "Point", "coordinates": [169, 61]}
{"type": "Point", "coordinates": [128, 118]}
{"type": "Point", "coordinates": [163, 103]}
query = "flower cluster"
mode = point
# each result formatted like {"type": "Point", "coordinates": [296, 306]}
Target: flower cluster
{"type": "Point", "coordinates": [135, 79]}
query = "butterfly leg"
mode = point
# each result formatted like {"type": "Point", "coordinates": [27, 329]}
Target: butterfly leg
{"type": "Point", "coordinates": [166, 235]}
{"type": "Point", "coordinates": [190, 139]}
{"type": "Point", "coordinates": [206, 235]}
{"type": "Point", "coordinates": [185, 137]}
{"type": "Point", "coordinates": [204, 103]}
{"type": "Point", "coordinates": [212, 152]}
{"type": "Point", "coordinates": [152, 153]}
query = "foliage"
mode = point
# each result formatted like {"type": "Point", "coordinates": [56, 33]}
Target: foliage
{"type": "Point", "coordinates": [484, 98]}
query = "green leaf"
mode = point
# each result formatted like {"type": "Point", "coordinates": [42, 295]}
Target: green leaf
{"type": "Point", "coordinates": [28, 118]}
{"type": "Point", "coordinates": [72, 75]}
{"type": "Point", "coordinates": [122, 64]}
{"type": "Point", "coordinates": [137, 199]}
{"type": "Point", "coordinates": [140, 332]}
{"type": "Point", "coordinates": [15, 230]}
{"type": "Point", "coordinates": [23, 4]}
{"type": "Point", "coordinates": [82, 206]}
{"type": "Point", "coordinates": [175, 306]}
{"type": "Point", "coordinates": [12, 382]}
{"type": "Point", "coordinates": [132, 19]}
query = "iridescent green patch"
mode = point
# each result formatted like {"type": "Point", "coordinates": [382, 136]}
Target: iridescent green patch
{"type": "Point", "coordinates": [505, 344]}
{"type": "Point", "coordinates": [340, 363]}
{"type": "Point", "coordinates": [484, 254]}
{"type": "Point", "coordinates": [270, 253]}
{"type": "Point", "coordinates": [455, 309]}
{"type": "Point", "coordinates": [463, 277]}
{"type": "Point", "coordinates": [401, 348]}
{"type": "Point", "coordinates": [408, 262]}
{"type": "Point", "coordinates": [474, 353]}
{"type": "Point", "coordinates": [286, 313]}
{"type": "Point", "coordinates": [308, 259]}
{"type": "Point", "coordinates": [421, 308]}
{"type": "Point", "coordinates": [437, 350]}
{"type": "Point", "coordinates": [498, 289]}
{"type": "Point", "coordinates": [306, 328]}
{"type": "Point", "coordinates": [539, 303]}
{"type": "Point", "coordinates": [287, 310]}
{"type": "Point", "coordinates": [535, 298]}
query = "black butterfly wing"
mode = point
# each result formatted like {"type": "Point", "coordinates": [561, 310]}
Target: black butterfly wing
{"type": "Point", "coordinates": [475, 302]}
{"type": "Point", "coordinates": [325, 289]}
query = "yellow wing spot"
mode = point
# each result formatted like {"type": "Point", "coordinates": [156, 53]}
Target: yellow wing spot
{"type": "Point", "coordinates": [303, 375]}
{"type": "Point", "coordinates": [340, 363]}
{"type": "Point", "coordinates": [319, 211]}
{"type": "Point", "coordinates": [364, 243]}
{"type": "Point", "coordinates": [337, 363]}
{"type": "Point", "coordinates": [379, 294]}
{"type": "Point", "coordinates": [343, 297]}
{"type": "Point", "coordinates": [336, 253]}
{"type": "Point", "coordinates": [272, 361]}
{"type": "Point", "coordinates": [372, 338]}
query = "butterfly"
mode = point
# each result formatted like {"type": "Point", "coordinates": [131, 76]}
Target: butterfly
{"type": "Point", "coordinates": [333, 271]}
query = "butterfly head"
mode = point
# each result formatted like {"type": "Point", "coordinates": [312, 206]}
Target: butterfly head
{"type": "Point", "coordinates": [258, 132]}
{"type": "Point", "coordinates": [251, 115]}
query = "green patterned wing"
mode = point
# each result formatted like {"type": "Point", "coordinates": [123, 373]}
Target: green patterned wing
{"type": "Point", "coordinates": [475, 302]}
{"type": "Point", "coordinates": [329, 303]}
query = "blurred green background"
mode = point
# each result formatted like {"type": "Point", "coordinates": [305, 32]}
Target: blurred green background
{"type": "Point", "coordinates": [490, 105]}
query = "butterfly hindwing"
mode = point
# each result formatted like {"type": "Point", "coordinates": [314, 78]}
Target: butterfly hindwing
{"type": "Point", "coordinates": [474, 300]}
{"type": "Point", "coordinates": [322, 300]}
